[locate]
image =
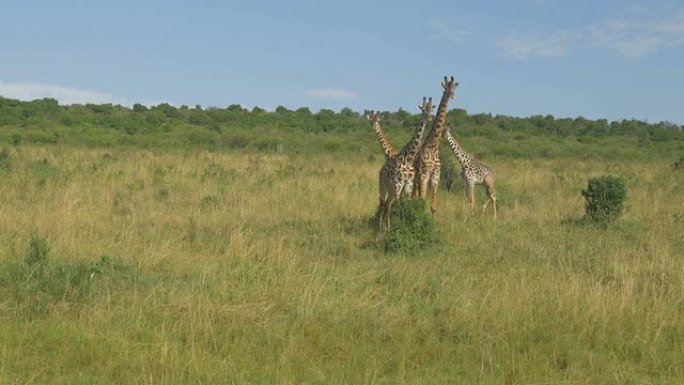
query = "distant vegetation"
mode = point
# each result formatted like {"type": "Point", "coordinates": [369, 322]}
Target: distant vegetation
{"type": "Point", "coordinates": [325, 131]}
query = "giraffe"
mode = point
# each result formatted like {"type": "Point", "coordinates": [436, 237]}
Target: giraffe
{"type": "Point", "coordinates": [397, 174]}
{"type": "Point", "coordinates": [386, 145]}
{"type": "Point", "coordinates": [427, 163]}
{"type": "Point", "coordinates": [473, 173]}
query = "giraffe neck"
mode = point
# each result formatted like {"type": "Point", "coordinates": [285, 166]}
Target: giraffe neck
{"type": "Point", "coordinates": [463, 157]}
{"type": "Point", "coordinates": [387, 148]}
{"type": "Point", "coordinates": [432, 141]}
{"type": "Point", "coordinates": [411, 148]}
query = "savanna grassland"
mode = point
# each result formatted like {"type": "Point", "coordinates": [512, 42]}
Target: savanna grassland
{"type": "Point", "coordinates": [130, 265]}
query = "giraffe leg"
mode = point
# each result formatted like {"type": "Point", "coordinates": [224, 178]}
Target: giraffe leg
{"type": "Point", "coordinates": [433, 204]}
{"type": "Point", "coordinates": [491, 193]}
{"type": "Point", "coordinates": [484, 207]}
{"type": "Point", "coordinates": [417, 184]}
{"type": "Point", "coordinates": [465, 203]}
{"type": "Point", "coordinates": [388, 215]}
{"type": "Point", "coordinates": [394, 195]}
{"type": "Point", "coordinates": [423, 185]}
{"type": "Point", "coordinates": [435, 187]}
{"type": "Point", "coordinates": [398, 187]}
{"type": "Point", "coordinates": [382, 208]}
{"type": "Point", "coordinates": [416, 189]}
{"type": "Point", "coordinates": [491, 198]}
{"type": "Point", "coordinates": [466, 195]}
{"type": "Point", "coordinates": [407, 188]}
{"type": "Point", "coordinates": [381, 215]}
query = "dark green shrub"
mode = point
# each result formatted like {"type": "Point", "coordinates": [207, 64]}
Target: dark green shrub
{"type": "Point", "coordinates": [604, 197]}
{"type": "Point", "coordinates": [413, 229]}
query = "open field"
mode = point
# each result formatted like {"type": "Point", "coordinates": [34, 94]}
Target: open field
{"type": "Point", "coordinates": [179, 267]}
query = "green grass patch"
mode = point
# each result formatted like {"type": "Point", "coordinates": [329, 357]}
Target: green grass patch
{"type": "Point", "coordinates": [39, 282]}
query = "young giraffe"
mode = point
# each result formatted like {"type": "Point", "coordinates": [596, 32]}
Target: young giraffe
{"type": "Point", "coordinates": [473, 173]}
{"type": "Point", "coordinates": [397, 174]}
{"type": "Point", "coordinates": [427, 163]}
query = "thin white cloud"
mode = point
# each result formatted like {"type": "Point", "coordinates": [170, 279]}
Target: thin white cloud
{"type": "Point", "coordinates": [528, 46]}
{"type": "Point", "coordinates": [331, 94]}
{"type": "Point", "coordinates": [64, 95]}
{"type": "Point", "coordinates": [644, 31]}
{"type": "Point", "coordinates": [450, 30]}
{"type": "Point", "coordinates": [640, 33]}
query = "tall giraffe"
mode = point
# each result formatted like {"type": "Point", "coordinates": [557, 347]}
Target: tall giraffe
{"type": "Point", "coordinates": [427, 163]}
{"type": "Point", "coordinates": [397, 174]}
{"type": "Point", "coordinates": [473, 173]}
{"type": "Point", "coordinates": [387, 149]}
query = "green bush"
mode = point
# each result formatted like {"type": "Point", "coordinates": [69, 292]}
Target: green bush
{"type": "Point", "coordinates": [605, 198]}
{"type": "Point", "coordinates": [413, 229]}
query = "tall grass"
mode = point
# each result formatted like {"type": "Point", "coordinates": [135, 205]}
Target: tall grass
{"type": "Point", "coordinates": [237, 268]}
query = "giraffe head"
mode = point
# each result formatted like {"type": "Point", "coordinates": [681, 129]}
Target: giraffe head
{"type": "Point", "coordinates": [449, 86]}
{"type": "Point", "coordinates": [374, 117]}
{"type": "Point", "coordinates": [426, 107]}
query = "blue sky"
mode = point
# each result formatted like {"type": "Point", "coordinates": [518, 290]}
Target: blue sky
{"type": "Point", "coordinates": [612, 59]}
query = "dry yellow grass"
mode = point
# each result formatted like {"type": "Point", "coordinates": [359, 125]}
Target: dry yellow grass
{"type": "Point", "coordinates": [261, 269]}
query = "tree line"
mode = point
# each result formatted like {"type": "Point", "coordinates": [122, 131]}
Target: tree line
{"type": "Point", "coordinates": [47, 113]}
